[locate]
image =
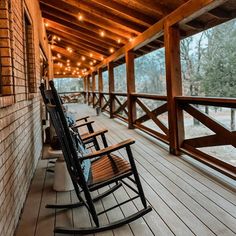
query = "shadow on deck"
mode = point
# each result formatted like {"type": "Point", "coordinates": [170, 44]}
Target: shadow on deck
{"type": "Point", "coordinates": [187, 198]}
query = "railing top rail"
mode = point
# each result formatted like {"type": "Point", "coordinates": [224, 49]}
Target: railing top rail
{"type": "Point", "coordinates": [150, 96]}
{"type": "Point", "coordinates": [75, 92]}
{"type": "Point", "coordinates": [119, 94]}
{"type": "Point", "coordinates": [210, 101]}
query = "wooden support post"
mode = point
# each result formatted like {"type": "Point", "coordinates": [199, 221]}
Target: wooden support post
{"type": "Point", "coordinates": [111, 80]}
{"type": "Point", "coordinates": [88, 88]}
{"type": "Point", "coordinates": [85, 89]}
{"type": "Point", "coordinates": [174, 87]}
{"type": "Point", "coordinates": [130, 77]}
{"type": "Point", "coordinates": [93, 87]}
{"type": "Point", "coordinates": [100, 86]}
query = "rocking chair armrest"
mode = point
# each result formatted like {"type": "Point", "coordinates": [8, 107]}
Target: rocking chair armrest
{"type": "Point", "coordinates": [109, 149]}
{"type": "Point", "coordinates": [85, 123]}
{"type": "Point", "coordinates": [95, 134]}
{"type": "Point", "coordinates": [83, 118]}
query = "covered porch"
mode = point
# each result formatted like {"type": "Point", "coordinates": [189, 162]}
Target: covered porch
{"type": "Point", "coordinates": [182, 115]}
{"type": "Point", "coordinates": [187, 197]}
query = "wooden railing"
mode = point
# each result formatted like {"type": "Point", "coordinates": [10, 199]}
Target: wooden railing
{"type": "Point", "coordinates": [116, 104]}
{"type": "Point", "coordinates": [151, 114]}
{"type": "Point", "coordinates": [222, 135]}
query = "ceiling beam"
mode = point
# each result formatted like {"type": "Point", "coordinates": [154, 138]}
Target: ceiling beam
{"type": "Point", "coordinates": [71, 56]}
{"type": "Point", "coordinates": [111, 31]}
{"type": "Point", "coordinates": [89, 16]}
{"type": "Point", "coordinates": [95, 14]}
{"type": "Point", "coordinates": [91, 36]}
{"type": "Point", "coordinates": [182, 15]}
{"type": "Point", "coordinates": [160, 9]}
{"type": "Point", "coordinates": [68, 34]}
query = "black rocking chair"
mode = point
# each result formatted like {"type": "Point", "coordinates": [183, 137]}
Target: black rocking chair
{"type": "Point", "coordinates": [93, 171]}
{"type": "Point", "coordinates": [89, 138]}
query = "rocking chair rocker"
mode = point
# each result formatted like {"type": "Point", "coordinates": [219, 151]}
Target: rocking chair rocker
{"type": "Point", "coordinates": [93, 171]}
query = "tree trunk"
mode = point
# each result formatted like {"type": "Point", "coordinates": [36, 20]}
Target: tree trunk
{"type": "Point", "coordinates": [232, 123]}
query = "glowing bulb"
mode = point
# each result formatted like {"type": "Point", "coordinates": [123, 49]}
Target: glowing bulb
{"type": "Point", "coordinates": [131, 39]}
{"type": "Point", "coordinates": [90, 54]}
{"type": "Point", "coordinates": [79, 63]}
{"type": "Point", "coordinates": [52, 46]}
{"type": "Point", "coordinates": [68, 61]}
{"type": "Point", "coordinates": [119, 41]}
{"type": "Point", "coordinates": [80, 17]}
{"type": "Point", "coordinates": [57, 73]}
{"type": "Point", "coordinates": [111, 50]}
{"type": "Point", "coordinates": [83, 58]}
{"type": "Point", "coordinates": [90, 63]}
{"type": "Point", "coordinates": [94, 61]}
{"type": "Point", "coordinates": [58, 38]}
{"type": "Point", "coordinates": [102, 58]}
{"type": "Point", "coordinates": [102, 33]}
{"type": "Point", "coordinates": [46, 24]}
{"type": "Point", "coordinates": [64, 73]}
{"type": "Point", "coordinates": [58, 55]}
{"type": "Point", "coordinates": [54, 37]}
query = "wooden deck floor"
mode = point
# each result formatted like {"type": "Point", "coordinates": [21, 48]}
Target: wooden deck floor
{"type": "Point", "coordinates": [186, 199]}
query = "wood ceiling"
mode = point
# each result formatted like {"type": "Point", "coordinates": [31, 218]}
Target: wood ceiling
{"type": "Point", "coordinates": [83, 33]}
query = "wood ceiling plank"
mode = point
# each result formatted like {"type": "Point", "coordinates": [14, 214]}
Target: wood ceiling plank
{"type": "Point", "coordinates": [126, 11]}
{"type": "Point", "coordinates": [159, 9]}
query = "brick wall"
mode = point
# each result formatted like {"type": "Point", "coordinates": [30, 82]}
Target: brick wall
{"type": "Point", "coordinates": [20, 108]}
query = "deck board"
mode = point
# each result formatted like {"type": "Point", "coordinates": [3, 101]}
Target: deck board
{"type": "Point", "coordinates": [186, 199]}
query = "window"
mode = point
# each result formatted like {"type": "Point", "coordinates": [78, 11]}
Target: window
{"type": "Point", "coordinates": [29, 60]}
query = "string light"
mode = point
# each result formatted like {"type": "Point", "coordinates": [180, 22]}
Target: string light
{"type": "Point", "coordinates": [80, 17]}
{"type": "Point", "coordinates": [102, 58]}
{"type": "Point", "coordinates": [90, 63]}
{"type": "Point", "coordinates": [94, 61]}
{"type": "Point", "coordinates": [102, 33]}
{"type": "Point", "coordinates": [57, 73]}
{"type": "Point", "coordinates": [52, 46]}
{"type": "Point", "coordinates": [54, 37]}
{"type": "Point", "coordinates": [64, 73]}
{"type": "Point", "coordinates": [78, 63]}
{"type": "Point", "coordinates": [83, 58]}
{"type": "Point", "coordinates": [58, 55]}
{"type": "Point", "coordinates": [46, 24]}
{"type": "Point", "coordinates": [58, 38]}
{"type": "Point", "coordinates": [91, 55]}
{"type": "Point", "coordinates": [68, 61]}
{"type": "Point", "coordinates": [119, 41]}
{"type": "Point", "coordinates": [111, 50]}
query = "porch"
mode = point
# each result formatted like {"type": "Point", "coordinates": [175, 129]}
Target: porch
{"type": "Point", "coordinates": [188, 198]}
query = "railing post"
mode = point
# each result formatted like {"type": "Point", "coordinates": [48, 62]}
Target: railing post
{"type": "Point", "coordinates": [100, 86]}
{"type": "Point", "coordinates": [174, 87]}
{"type": "Point", "coordinates": [130, 77]}
{"type": "Point", "coordinates": [93, 87]}
{"type": "Point", "coordinates": [110, 68]}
